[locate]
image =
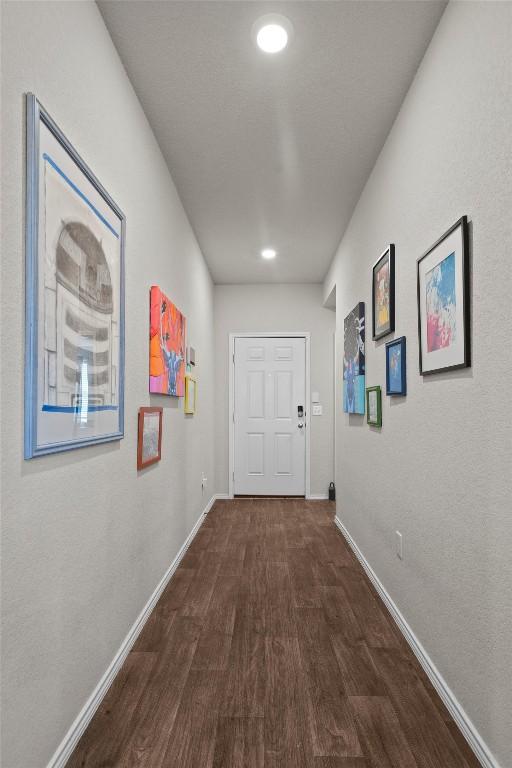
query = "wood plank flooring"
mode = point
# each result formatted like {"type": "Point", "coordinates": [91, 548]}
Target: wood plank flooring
{"type": "Point", "coordinates": [270, 648]}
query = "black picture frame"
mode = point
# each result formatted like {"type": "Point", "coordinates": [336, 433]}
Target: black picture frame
{"type": "Point", "coordinates": [402, 390]}
{"type": "Point", "coordinates": [389, 256]}
{"type": "Point", "coordinates": [462, 297]}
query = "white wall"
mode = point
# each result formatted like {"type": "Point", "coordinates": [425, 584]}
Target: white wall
{"type": "Point", "coordinates": [86, 538]}
{"type": "Point", "coordinates": [440, 470]}
{"type": "Point", "coordinates": [296, 307]}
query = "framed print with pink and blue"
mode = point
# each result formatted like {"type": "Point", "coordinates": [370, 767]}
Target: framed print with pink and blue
{"type": "Point", "coordinates": [443, 302]}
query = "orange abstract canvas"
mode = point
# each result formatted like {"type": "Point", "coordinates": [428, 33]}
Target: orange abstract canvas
{"type": "Point", "coordinates": [166, 346]}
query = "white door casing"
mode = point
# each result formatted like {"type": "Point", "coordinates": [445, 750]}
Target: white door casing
{"type": "Point", "coordinates": [269, 446]}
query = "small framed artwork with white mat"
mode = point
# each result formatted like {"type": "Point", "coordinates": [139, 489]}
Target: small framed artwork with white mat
{"type": "Point", "coordinates": [443, 302]}
{"type": "Point", "coordinates": [149, 443]}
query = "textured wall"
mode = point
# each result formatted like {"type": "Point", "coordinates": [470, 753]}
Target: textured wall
{"type": "Point", "coordinates": [85, 537]}
{"type": "Point", "coordinates": [440, 470]}
{"type": "Point", "coordinates": [277, 308]}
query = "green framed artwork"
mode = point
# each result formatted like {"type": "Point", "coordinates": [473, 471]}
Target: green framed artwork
{"type": "Point", "coordinates": [374, 406]}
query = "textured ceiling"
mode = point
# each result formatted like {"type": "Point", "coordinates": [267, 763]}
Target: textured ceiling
{"type": "Point", "coordinates": [270, 150]}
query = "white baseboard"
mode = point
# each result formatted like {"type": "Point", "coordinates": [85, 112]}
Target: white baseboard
{"type": "Point", "coordinates": [67, 745]}
{"type": "Point", "coordinates": [470, 733]}
{"type": "Point", "coordinates": [311, 497]}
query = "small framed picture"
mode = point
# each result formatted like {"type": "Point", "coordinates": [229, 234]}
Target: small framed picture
{"type": "Point", "coordinates": [443, 302]}
{"type": "Point", "coordinates": [396, 374]}
{"type": "Point", "coordinates": [383, 294]}
{"type": "Point", "coordinates": [149, 443]}
{"type": "Point", "coordinates": [191, 356]}
{"type": "Point", "coordinates": [374, 406]}
{"type": "Point", "coordinates": [190, 394]}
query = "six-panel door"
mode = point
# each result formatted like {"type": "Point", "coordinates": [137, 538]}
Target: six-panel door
{"type": "Point", "coordinates": [270, 440]}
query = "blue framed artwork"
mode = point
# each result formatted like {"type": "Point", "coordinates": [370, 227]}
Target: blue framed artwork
{"type": "Point", "coordinates": [396, 367]}
{"type": "Point", "coordinates": [74, 357]}
{"type": "Point", "coordinates": [354, 361]}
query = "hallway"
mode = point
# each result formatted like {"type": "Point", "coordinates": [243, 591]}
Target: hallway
{"type": "Point", "coordinates": [256, 256]}
{"type": "Point", "coordinates": [269, 647]}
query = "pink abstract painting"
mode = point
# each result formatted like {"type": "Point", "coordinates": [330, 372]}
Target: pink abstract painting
{"type": "Point", "coordinates": [441, 305]}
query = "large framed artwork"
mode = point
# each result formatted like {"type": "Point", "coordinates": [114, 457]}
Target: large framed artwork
{"type": "Point", "coordinates": [353, 360]}
{"type": "Point", "coordinates": [166, 346]}
{"type": "Point", "coordinates": [383, 294]}
{"type": "Point", "coordinates": [443, 302]}
{"type": "Point", "coordinates": [396, 367]}
{"type": "Point", "coordinates": [74, 356]}
{"type": "Point", "coordinates": [149, 442]}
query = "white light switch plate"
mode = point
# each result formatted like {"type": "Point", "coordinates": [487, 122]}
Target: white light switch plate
{"type": "Point", "coordinates": [317, 410]}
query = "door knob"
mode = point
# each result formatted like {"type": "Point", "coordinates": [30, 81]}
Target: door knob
{"type": "Point", "coordinates": [300, 425]}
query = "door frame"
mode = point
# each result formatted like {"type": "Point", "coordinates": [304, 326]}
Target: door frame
{"type": "Point", "coordinates": [231, 414]}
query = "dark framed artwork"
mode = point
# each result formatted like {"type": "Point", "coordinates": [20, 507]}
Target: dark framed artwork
{"type": "Point", "coordinates": [74, 353]}
{"type": "Point", "coordinates": [383, 294]}
{"type": "Point", "coordinates": [396, 367]}
{"type": "Point", "coordinates": [354, 360]}
{"type": "Point", "coordinates": [149, 441]}
{"type": "Point", "coordinates": [374, 406]}
{"type": "Point", "coordinates": [443, 302]}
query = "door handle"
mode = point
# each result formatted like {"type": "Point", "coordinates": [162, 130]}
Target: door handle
{"type": "Point", "coordinates": [300, 425]}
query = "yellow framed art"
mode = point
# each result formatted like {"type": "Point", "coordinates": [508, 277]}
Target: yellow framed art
{"type": "Point", "coordinates": [190, 394]}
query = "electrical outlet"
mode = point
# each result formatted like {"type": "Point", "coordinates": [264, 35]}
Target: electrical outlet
{"type": "Point", "coordinates": [399, 545]}
{"type": "Point", "coordinates": [204, 482]}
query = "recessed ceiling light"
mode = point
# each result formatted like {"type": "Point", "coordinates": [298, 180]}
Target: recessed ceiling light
{"type": "Point", "coordinates": [272, 32]}
{"type": "Point", "coordinates": [268, 253]}
{"type": "Point", "coordinates": [272, 38]}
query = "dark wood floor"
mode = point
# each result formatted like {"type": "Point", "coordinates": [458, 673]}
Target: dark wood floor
{"type": "Point", "coordinates": [269, 647]}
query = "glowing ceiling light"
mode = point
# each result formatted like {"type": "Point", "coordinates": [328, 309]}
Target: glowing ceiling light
{"type": "Point", "coordinates": [272, 33]}
{"type": "Point", "coordinates": [272, 38]}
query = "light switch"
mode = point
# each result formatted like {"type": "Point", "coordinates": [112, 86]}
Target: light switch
{"type": "Point", "coordinates": [317, 410]}
{"type": "Point", "coordinates": [315, 397]}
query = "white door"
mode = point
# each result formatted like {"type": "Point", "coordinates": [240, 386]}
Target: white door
{"type": "Point", "coordinates": [270, 416]}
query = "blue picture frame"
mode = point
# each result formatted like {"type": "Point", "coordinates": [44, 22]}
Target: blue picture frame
{"type": "Point", "coordinates": [396, 367]}
{"type": "Point", "coordinates": [88, 417]}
